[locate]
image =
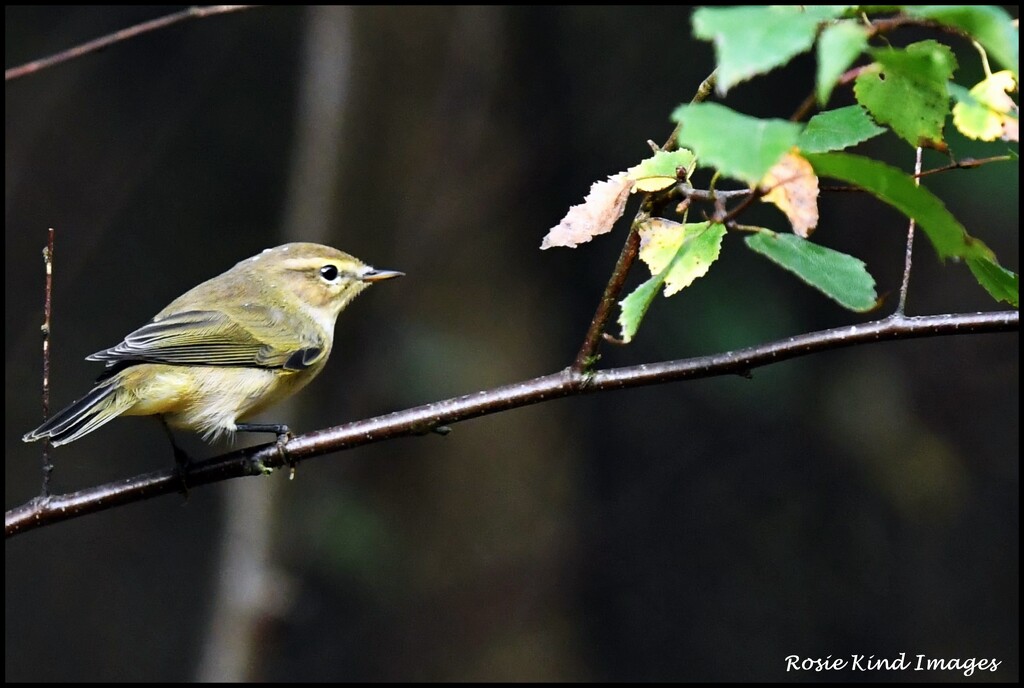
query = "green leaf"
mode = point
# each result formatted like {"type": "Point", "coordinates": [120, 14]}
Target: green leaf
{"type": "Point", "coordinates": [838, 47]}
{"type": "Point", "coordinates": [947, 235]}
{"type": "Point", "coordinates": [839, 276]}
{"type": "Point", "coordinates": [634, 306]}
{"type": "Point", "coordinates": [989, 24]}
{"type": "Point", "coordinates": [681, 253]}
{"type": "Point", "coordinates": [1001, 283]}
{"type": "Point", "coordinates": [754, 40]}
{"type": "Point", "coordinates": [677, 255]}
{"type": "Point", "coordinates": [907, 89]}
{"type": "Point", "coordinates": [897, 189]}
{"type": "Point", "coordinates": [837, 129]}
{"type": "Point", "coordinates": [739, 146]}
{"type": "Point", "coordinates": [658, 172]}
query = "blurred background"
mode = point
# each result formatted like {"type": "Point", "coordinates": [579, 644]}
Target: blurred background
{"type": "Point", "coordinates": [857, 501]}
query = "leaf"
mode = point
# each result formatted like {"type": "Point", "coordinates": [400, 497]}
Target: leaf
{"type": "Point", "coordinates": [836, 129]}
{"type": "Point", "coordinates": [947, 235]}
{"type": "Point", "coordinates": [989, 24]}
{"type": "Point", "coordinates": [596, 215]}
{"type": "Point", "coordinates": [754, 40]}
{"type": "Point", "coordinates": [907, 89]}
{"type": "Point", "coordinates": [1011, 129]}
{"type": "Point", "coordinates": [985, 114]}
{"type": "Point", "coordinates": [897, 189]}
{"type": "Point", "coordinates": [839, 276]}
{"type": "Point", "coordinates": [634, 306]}
{"type": "Point", "coordinates": [739, 146]}
{"type": "Point", "coordinates": [682, 253]}
{"type": "Point", "coordinates": [793, 187]}
{"type": "Point", "coordinates": [659, 171]}
{"type": "Point", "coordinates": [838, 47]}
{"type": "Point", "coordinates": [1000, 283]}
{"type": "Point", "coordinates": [677, 255]}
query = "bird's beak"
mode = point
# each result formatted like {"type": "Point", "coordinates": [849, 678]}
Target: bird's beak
{"type": "Point", "coordinates": [374, 275]}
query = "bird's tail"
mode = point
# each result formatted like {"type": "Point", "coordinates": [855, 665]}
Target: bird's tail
{"type": "Point", "coordinates": [103, 404]}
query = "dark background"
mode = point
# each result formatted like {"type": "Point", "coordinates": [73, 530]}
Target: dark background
{"type": "Point", "coordinates": [858, 501]}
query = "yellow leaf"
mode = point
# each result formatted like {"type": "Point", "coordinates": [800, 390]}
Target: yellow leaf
{"type": "Point", "coordinates": [662, 170]}
{"type": "Point", "coordinates": [596, 215]}
{"type": "Point", "coordinates": [679, 253]}
{"type": "Point", "coordinates": [793, 187]}
{"type": "Point", "coordinates": [988, 117]}
{"type": "Point", "coordinates": [659, 241]}
{"type": "Point", "coordinates": [653, 184]}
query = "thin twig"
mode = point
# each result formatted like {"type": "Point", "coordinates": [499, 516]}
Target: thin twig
{"type": "Point", "coordinates": [118, 36]}
{"type": "Point", "coordinates": [751, 198]}
{"type": "Point", "coordinates": [704, 91]}
{"type": "Point", "coordinates": [841, 189]}
{"type": "Point", "coordinates": [909, 259]}
{"type": "Point", "coordinates": [811, 100]}
{"type": "Point", "coordinates": [47, 318]}
{"type": "Point", "coordinates": [710, 194]}
{"type": "Point", "coordinates": [965, 164]}
{"type": "Point", "coordinates": [585, 357]}
{"type": "Point", "coordinates": [422, 419]}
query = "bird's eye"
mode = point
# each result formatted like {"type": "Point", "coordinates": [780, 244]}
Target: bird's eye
{"type": "Point", "coordinates": [329, 272]}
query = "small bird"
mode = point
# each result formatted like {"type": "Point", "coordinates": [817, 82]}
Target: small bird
{"type": "Point", "coordinates": [226, 349]}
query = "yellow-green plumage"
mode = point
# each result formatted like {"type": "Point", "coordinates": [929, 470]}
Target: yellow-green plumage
{"type": "Point", "coordinates": [227, 349]}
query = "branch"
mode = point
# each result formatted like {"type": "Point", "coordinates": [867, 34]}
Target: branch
{"type": "Point", "coordinates": [423, 419]}
{"type": "Point", "coordinates": [710, 195]}
{"type": "Point", "coordinates": [965, 164]}
{"type": "Point", "coordinates": [811, 100]}
{"type": "Point", "coordinates": [908, 259]}
{"type": "Point", "coordinates": [118, 36]}
{"type": "Point", "coordinates": [47, 322]}
{"type": "Point", "coordinates": [588, 350]}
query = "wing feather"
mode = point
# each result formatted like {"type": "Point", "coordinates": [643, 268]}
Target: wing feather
{"type": "Point", "coordinates": [255, 336]}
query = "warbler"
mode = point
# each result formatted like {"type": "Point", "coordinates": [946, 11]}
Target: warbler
{"type": "Point", "coordinates": [226, 349]}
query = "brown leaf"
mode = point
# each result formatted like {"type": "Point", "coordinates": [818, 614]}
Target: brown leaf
{"type": "Point", "coordinates": [596, 215]}
{"type": "Point", "coordinates": [793, 187]}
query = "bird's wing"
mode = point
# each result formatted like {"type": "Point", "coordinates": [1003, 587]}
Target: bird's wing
{"type": "Point", "coordinates": [255, 336]}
